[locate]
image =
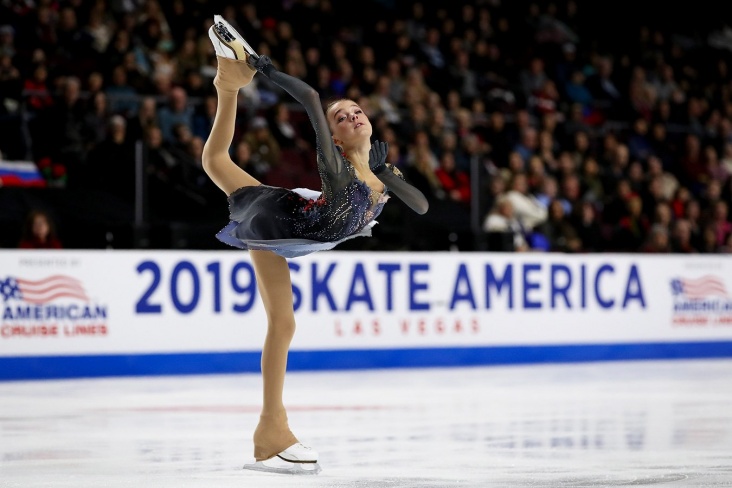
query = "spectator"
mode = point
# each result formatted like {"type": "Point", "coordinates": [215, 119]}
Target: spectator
{"type": "Point", "coordinates": [96, 119]}
{"type": "Point", "coordinates": [455, 182]}
{"type": "Point", "coordinates": [525, 206]}
{"type": "Point", "coordinates": [265, 148]}
{"type": "Point", "coordinates": [62, 130]}
{"type": "Point", "coordinates": [284, 129]}
{"type": "Point", "coordinates": [559, 231]}
{"type": "Point", "coordinates": [176, 111]}
{"type": "Point", "coordinates": [111, 165]}
{"type": "Point", "coordinates": [36, 87]}
{"type": "Point", "coordinates": [146, 116]}
{"type": "Point", "coordinates": [420, 172]}
{"type": "Point", "coordinates": [681, 238]}
{"type": "Point", "coordinates": [243, 158]}
{"type": "Point", "coordinates": [501, 219]}
{"type": "Point", "coordinates": [39, 232]}
{"type": "Point", "coordinates": [632, 229]}
{"type": "Point", "coordinates": [588, 227]}
{"type": "Point", "coordinates": [591, 181]}
{"type": "Point", "coordinates": [122, 96]}
{"type": "Point", "coordinates": [720, 223]}
{"type": "Point", "coordinates": [657, 240]}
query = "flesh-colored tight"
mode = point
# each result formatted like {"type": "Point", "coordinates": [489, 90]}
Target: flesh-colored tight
{"type": "Point", "coordinates": [272, 434]}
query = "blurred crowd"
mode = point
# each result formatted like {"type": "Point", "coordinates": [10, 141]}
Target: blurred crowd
{"type": "Point", "coordinates": [531, 126]}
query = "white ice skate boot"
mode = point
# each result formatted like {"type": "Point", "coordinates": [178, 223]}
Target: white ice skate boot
{"type": "Point", "coordinates": [296, 459]}
{"type": "Point", "coordinates": [227, 42]}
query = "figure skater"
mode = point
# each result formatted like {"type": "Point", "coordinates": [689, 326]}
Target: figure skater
{"type": "Point", "coordinates": [277, 223]}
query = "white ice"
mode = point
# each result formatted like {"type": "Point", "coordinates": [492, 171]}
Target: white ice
{"type": "Point", "coordinates": [563, 425]}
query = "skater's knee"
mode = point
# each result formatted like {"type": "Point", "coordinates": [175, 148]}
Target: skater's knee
{"type": "Point", "coordinates": [208, 159]}
{"type": "Point", "coordinates": [281, 328]}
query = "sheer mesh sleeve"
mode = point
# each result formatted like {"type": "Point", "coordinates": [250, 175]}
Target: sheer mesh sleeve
{"type": "Point", "coordinates": [395, 183]}
{"type": "Point", "coordinates": [333, 170]}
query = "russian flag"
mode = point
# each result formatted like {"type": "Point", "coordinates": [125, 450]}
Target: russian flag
{"type": "Point", "coordinates": [20, 173]}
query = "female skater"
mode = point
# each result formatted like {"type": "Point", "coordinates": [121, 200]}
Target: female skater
{"type": "Point", "coordinates": [276, 223]}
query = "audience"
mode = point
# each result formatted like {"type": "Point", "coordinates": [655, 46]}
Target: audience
{"type": "Point", "coordinates": [570, 148]}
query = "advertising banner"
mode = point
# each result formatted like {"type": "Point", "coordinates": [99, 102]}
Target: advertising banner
{"type": "Point", "coordinates": [150, 312]}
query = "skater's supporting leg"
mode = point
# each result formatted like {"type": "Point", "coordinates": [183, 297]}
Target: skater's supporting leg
{"type": "Point", "coordinates": [273, 279]}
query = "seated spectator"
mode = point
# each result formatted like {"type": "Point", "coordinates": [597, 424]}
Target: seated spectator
{"type": "Point", "coordinates": [502, 219]}
{"type": "Point", "coordinates": [284, 130]}
{"type": "Point", "coordinates": [559, 231]}
{"type": "Point", "coordinates": [657, 240]}
{"type": "Point", "coordinates": [588, 227]}
{"type": "Point", "coordinates": [681, 238]}
{"type": "Point", "coordinates": [176, 111]}
{"type": "Point", "coordinates": [632, 229]}
{"type": "Point", "coordinates": [122, 96]}
{"type": "Point", "coordinates": [549, 191]}
{"type": "Point", "coordinates": [203, 117]}
{"type": "Point", "coordinates": [455, 182]}
{"type": "Point", "coordinates": [39, 232]}
{"type": "Point", "coordinates": [265, 148]}
{"type": "Point", "coordinates": [667, 181]}
{"type": "Point", "coordinates": [145, 117]}
{"type": "Point", "coordinates": [420, 172]}
{"type": "Point", "coordinates": [709, 241]}
{"type": "Point", "coordinates": [577, 92]}
{"type": "Point", "coordinates": [720, 223]}
{"type": "Point", "coordinates": [243, 158]}
{"type": "Point", "coordinates": [110, 166]}
{"type": "Point", "coordinates": [591, 181]}
{"type": "Point", "coordinates": [39, 96]}
{"type": "Point", "coordinates": [525, 206]}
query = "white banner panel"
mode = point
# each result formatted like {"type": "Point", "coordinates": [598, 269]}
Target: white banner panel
{"type": "Point", "coordinates": [138, 302]}
{"type": "Point", "coordinates": [144, 301]}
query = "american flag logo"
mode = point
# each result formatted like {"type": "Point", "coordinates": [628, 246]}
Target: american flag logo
{"type": "Point", "coordinates": [42, 291]}
{"type": "Point", "coordinates": [704, 287]}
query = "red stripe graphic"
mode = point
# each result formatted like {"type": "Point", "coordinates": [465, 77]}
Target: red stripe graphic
{"type": "Point", "coordinates": [51, 288]}
{"type": "Point", "coordinates": [704, 287]}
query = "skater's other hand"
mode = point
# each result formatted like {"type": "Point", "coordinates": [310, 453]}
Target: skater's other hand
{"type": "Point", "coordinates": [377, 156]}
{"type": "Point", "coordinates": [263, 63]}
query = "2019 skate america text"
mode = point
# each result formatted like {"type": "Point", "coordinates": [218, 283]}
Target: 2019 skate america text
{"type": "Point", "coordinates": [343, 287]}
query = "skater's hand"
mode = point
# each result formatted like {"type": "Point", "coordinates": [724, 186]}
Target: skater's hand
{"type": "Point", "coordinates": [262, 63]}
{"type": "Point", "coordinates": [377, 156]}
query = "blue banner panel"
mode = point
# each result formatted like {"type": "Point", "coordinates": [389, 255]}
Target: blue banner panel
{"type": "Point", "coordinates": [109, 365]}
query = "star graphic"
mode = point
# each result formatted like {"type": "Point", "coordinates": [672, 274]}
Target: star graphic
{"type": "Point", "coordinates": [9, 289]}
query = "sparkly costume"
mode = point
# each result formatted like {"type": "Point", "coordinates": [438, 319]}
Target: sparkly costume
{"type": "Point", "coordinates": [296, 222]}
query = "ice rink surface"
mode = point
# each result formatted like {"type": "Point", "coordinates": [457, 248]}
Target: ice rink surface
{"type": "Point", "coordinates": [661, 423]}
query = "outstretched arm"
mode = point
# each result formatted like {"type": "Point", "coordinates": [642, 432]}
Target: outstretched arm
{"type": "Point", "coordinates": [329, 158]}
{"type": "Point", "coordinates": [407, 193]}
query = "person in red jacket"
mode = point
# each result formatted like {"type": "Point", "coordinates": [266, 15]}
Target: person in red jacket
{"type": "Point", "coordinates": [455, 182]}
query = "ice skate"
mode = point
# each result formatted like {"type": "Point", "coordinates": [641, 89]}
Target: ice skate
{"type": "Point", "coordinates": [228, 43]}
{"type": "Point", "coordinates": [296, 459]}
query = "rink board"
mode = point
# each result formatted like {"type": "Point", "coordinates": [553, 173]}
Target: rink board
{"type": "Point", "coordinates": [113, 313]}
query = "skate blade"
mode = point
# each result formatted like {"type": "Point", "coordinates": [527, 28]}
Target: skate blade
{"type": "Point", "coordinates": [228, 40]}
{"type": "Point", "coordinates": [227, 37]}
{"type": "Point", "coordinates": [284, 467]}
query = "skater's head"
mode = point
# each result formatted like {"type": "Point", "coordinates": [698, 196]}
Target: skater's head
{"type": "Point", "coordinates": [349, 124]}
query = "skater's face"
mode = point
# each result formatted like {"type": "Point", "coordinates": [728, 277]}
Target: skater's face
{"type": "Point", "coordinates": [348, 123]}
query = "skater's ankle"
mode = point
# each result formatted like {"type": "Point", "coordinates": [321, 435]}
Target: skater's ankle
{"type": "Point", "coordinates": [226, 91]}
